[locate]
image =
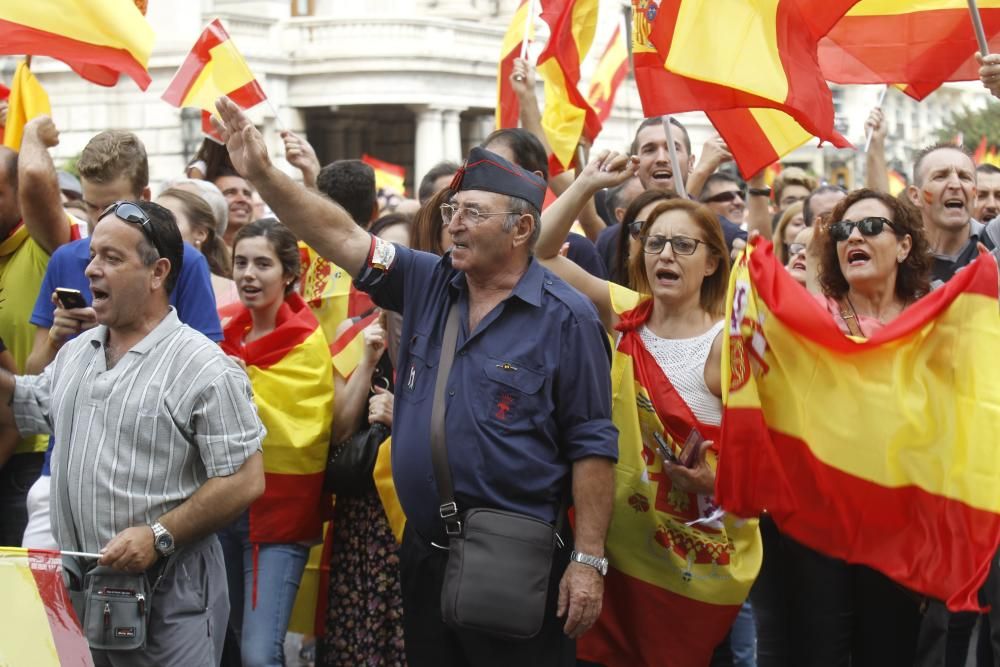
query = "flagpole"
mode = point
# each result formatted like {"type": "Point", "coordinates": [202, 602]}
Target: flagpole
{"type": "Point", "coordinates": [674, 162]}
{"type": "Point", "coordinates": [528, 23]}
{"type": "Point", "coordinates": [977, 24]}
{"type": "Point", "coordinates": [80, 554]}
{"type": "Point", "coordinates": [277, 118]}
{"type": "Point", "coordinates": [881, 99]}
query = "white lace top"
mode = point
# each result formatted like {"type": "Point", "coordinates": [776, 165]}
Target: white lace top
{"type": "Point", "coordinates": [683, 362]}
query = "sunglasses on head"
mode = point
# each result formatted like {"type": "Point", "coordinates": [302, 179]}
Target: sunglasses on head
{"type": "Point", "coordinates": [722, 197]}
{"type": "Point", "coordinates": [131, 213]}
{"type": "Point", "coordinates": [841, 231]}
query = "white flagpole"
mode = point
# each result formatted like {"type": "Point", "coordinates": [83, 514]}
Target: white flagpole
{"type": "Point", "coordinates": [80, 554]}
{"type": "Point", "coordinates": [674, 162]}
{"type": "Point", "coordinates": [881, 99]}
{"type": "Point", "coordinates": [529, 21]}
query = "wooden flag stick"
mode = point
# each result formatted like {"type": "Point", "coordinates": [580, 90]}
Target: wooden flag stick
{"type": "Point", "coordinates": [881, 99]}
{"type": "Point", "coordinates": [674, 162]}
{"type": "Point", "coordinates": [977, 24]}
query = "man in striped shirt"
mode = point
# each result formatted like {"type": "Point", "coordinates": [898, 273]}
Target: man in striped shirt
{"type": "Point", "coordinates": [158, 440]}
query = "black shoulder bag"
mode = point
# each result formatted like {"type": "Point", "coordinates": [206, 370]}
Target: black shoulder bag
{"type": "Point", "coordinates": [499, 563]}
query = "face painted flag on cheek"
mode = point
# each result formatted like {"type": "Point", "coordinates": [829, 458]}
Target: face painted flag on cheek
{"type": "Point", "coordinates": [880, 452]}
{"type": "Point", "coordinates": [39, 625]}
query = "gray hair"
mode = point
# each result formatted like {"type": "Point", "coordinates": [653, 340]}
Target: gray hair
{"type": "Point", "coordinates": [213, 197]}
{"type": "Point", "coordinates": [519, 207]}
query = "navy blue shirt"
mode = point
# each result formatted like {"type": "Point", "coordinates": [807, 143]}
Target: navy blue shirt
{"type": "Point", "coordinates": [529, 392]}
{"type": "Point", "coordinates": [583, 253]}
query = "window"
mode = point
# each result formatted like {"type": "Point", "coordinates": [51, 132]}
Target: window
{"type": "Point", "coordinates": [303, 7]}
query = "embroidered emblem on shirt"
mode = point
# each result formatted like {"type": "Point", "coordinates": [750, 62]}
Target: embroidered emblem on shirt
{"type": "Point", "coordinates": [505, 403]}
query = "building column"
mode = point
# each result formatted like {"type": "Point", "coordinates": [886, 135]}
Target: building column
{"type": "Point", "coordinates": [452, 135]}
{"type": "Point", "coordinates": [429, 146]}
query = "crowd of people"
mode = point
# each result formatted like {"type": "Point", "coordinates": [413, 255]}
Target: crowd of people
{"type": "Point", "coordinates": [174, 382]}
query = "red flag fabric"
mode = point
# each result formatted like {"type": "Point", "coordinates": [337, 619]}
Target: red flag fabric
{"type": "Point", "coordinates": [508, 109]}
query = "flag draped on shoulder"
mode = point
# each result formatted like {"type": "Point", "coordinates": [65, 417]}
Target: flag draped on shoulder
{"type": "Point", "coordinates": [98, 39]}
{"type": "Point", "coordinates": [39, 625]}
{"type": "Point", "coordinates": [508, 110]}
{"type": "Point", "coordinates": [919, 43]}
{"type": "Point", "coordinates": [292, 380]}
{"type": "Point", "coordinates": [755, 73]}
{"type": "Point", "coordinates": [672, 557]}
{"type": "Point", "coordinates": [880, 452]}
{"type": "Point", "coordinates": [611, 70]}
{"type": "Point", "coordinates": [567, 115]}
{"type": "Point", "coordinates": [27, 100]}
{"type": "Point", "coordinates": [214, 68]}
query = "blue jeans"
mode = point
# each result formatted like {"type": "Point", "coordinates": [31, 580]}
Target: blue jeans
{"type": "Point", "coordinates": [261, 629]}
{"type": "Point", "coordinates": [743, 638]}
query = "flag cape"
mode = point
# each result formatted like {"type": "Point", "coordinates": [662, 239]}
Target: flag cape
{"type": "Point", "coordinates": [98, 39]}
{"type": "Point", "coordinates": [611, 70]}
{"type": "Point", "coordinates": [879, 452]}
{"type": "Point", "coordinates": [508, 110]}
{"type": "Point", "coordinates": [39, 625]}
{"type": "Point", "coordinates": [693, 578]}
{"type": "Point", "coordinates": [292, 380]}
{"type": "Point", "coordinates": [920, 43]}
{"type": "Point", "coordinates": [567, 115]}
{"type": "Point", "coordinates": [27, 100]}
{"type": "Point", "coordinates": [757, 129]}
{"type": "Point", "coordinates": [388, 176]}
{"type": "Point", "coordinates": [214, 68]}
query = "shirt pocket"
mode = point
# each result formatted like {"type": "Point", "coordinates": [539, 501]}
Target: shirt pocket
{"type": "Point", "coordinates": [415, 380]}
{"type": "Point", "coordinates": [511, 394]}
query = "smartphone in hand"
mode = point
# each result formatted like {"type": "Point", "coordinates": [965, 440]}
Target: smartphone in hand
{"type": "Point", "coordinates": [689, 453]}
{"type": "Point", "coordinates": [70, 298]}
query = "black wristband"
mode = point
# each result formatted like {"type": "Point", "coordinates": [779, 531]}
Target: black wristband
{"type": "Point", "coordinates": [759, 192]}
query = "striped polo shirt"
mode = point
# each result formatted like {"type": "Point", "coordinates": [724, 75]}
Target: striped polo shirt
{"type": "Point", "coordinates": [135, 441]}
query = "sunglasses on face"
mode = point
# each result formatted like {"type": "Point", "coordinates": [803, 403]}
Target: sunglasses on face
{"type": "Point", "coordinates": [723, 197]}
{"type": "Point", "coordinates": [841, 231]}
{"type": "Point", "coordinates": [681, 245]}
{"type": "Point", "coordinates": [635, 228]}
{"type": "Point", "coordinates": [131, 213]}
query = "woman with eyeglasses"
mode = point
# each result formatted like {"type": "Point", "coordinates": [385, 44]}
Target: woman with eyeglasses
{"type": "Point", "coordinates": [813, 610]}
{"type": "Point", "coordinates": [790, 224]}
{"type": "Point", "coordinates": [667, 386]}
{"type": "Point", "coordinates": [628, 241]}
{"type": "Point", "coordinates": [273, 334]}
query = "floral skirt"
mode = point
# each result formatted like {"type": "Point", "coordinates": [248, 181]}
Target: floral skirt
{"type": "Point", "coordinates": [364, 622]}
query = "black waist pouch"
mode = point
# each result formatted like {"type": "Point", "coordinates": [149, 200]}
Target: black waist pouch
{"type": "Point", "coordinates": [497, 577]}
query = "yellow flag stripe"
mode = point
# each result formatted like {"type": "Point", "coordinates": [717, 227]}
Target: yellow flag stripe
{"type": "Point", "coordinates": [783, 131]}
{"type": "Point", "coordinates": [27, 100]}
{"type": "Point", "coordinates": [225, 72]}
{"type": "Point", "coordinates": [895, 7]}
{"type": "Point", "coordinates": [28, 639]}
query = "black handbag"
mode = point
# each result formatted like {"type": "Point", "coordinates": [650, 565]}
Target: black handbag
{"type": "Point", "coordinates": [496, 580]}
{"type": "Point", "coordinates": [351, 463]}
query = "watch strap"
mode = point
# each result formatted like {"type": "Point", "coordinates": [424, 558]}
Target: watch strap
{"type": "Point", "coordinates": [596, 562]}
{"type": "Point", "coordinates": [759, 192]}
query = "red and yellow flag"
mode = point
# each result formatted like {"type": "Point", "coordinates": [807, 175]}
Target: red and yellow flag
{"type": "Point", "coordinates": [567, 115]}
{"type": "Point", "coordinates": [881, 451]}
{"type": "Point", "coordinates": [98, 39]}
{"type": "Point", "coordinates": [897, 182]}
{"type": "Point", "coordinates": [39, 625]}
{"type": "Point", "coordinates": [349, 347]}
{"type": "Point", "coordinates": [771, 172]}
{"type": "Point", "coordinates": [388, 176]}
{"type": "Point", "coordinates": [214, 68]}
{"type": "Point", "coordinates": [992, 157]}
{"type": "Point", "coordinates": [508, 110]}
{"type": "Point", "coordinates": [27, 100]}
{"type": "Point", "coordinates": [920, 43]}
{"type": "Point", "coordinates": [611, 70]}
{"type": "Point", "coordinates": [980, 152]}
{"type": "Point", "coordinates": [756, 76]}
{"type": "Point", "coordinates": [292, 380]}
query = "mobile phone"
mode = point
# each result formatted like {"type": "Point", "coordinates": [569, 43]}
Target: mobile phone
{"type": "Point", "coordinates": [689, 453]}
{"type": "Point", "coordinates": [70, 298]}
{"type": "Point", "coordinates": [664, 448]}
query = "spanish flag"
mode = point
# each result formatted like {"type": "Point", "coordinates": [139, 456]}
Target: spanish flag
{"type": "Point", "coordinates": [611, 70]}
{"type": "Point", "coordinates": [567, 115]}
{"type": "Point", "coordinates": [756, 76]}
{"type": "Point", "coordinates": [920, 43]}
{"type": "Point", "coordinates": [98, 39]}
{"type": "Point", "coordinates": [388, 176]}
{"type": "Point", "coordinates": [897, 182]}
{"type": "Point", "coordinates": [508, 110]}
{"type": "Point", "coordinates": [39, 625]}
{"type": "Point", "coordinates": [27, 100]}
{"type": "Point", "coordinates": [214, 68]}
{"type": "Point", "coordinates": [349, 347]}
{"type": "Point", "coordinates": [881, 452]}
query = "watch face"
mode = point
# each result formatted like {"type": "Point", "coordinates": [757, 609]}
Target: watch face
{"type": "Point", "coordinates": [164, 542]}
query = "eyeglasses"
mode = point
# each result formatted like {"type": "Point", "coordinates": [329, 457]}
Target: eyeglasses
{"type": "Point", "coordinates": [472, 216]}
{"type": "Point", "coordinates": [795, 248]}
{"type": "Point", "coordinates": [723, 197]}
{"type": "Point", "coordinates": [681, 245]}
{"type": "Point", "coordinates": [841, 231]}
{"type": "Point", "coordinates": [131, 213]}
{"type": "Point", "coordinates": [635, 228]}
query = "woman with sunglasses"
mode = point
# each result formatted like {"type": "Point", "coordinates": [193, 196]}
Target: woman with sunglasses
{"type": "Point", "coordinates": [275, 336]}
{"type": "Point", "coordinates": [790, 224]}
{"type": "Point", "coordinates": [666, 384]}
{"type": "Point", "coordinates": [813, 610]}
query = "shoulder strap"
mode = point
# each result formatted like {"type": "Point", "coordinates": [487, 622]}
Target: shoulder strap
{"type": "Point", "coordinates": [850, 318]}
{"type": "Point", "coordinates": [439, 452]}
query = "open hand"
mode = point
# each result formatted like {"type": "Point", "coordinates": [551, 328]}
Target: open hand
{"type": "Point", "coordinates": [244, 142]}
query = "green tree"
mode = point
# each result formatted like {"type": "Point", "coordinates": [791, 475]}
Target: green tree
{"type": "Point", "coordinates": [974, 125]}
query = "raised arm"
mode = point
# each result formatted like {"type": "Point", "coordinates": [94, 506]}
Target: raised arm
{"type": "Point", "coordinates": [301, 155]}
{"type": "Point", "coordinates": [758, 207]}
{"type": "Point", "coordinates": [877, 171]}
{"type": "Point", "coordinates": [713, 154]}
{"type": "Point", "coordinates": [38, 186]}
{"type": "Point", "coordinates": [314, 219]}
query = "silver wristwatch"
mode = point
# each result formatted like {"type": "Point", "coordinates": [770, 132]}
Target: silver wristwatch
{"type": "Point", "coordinates": [599, 564]}
{"type": "Point", "coordinates": [163, 541]}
